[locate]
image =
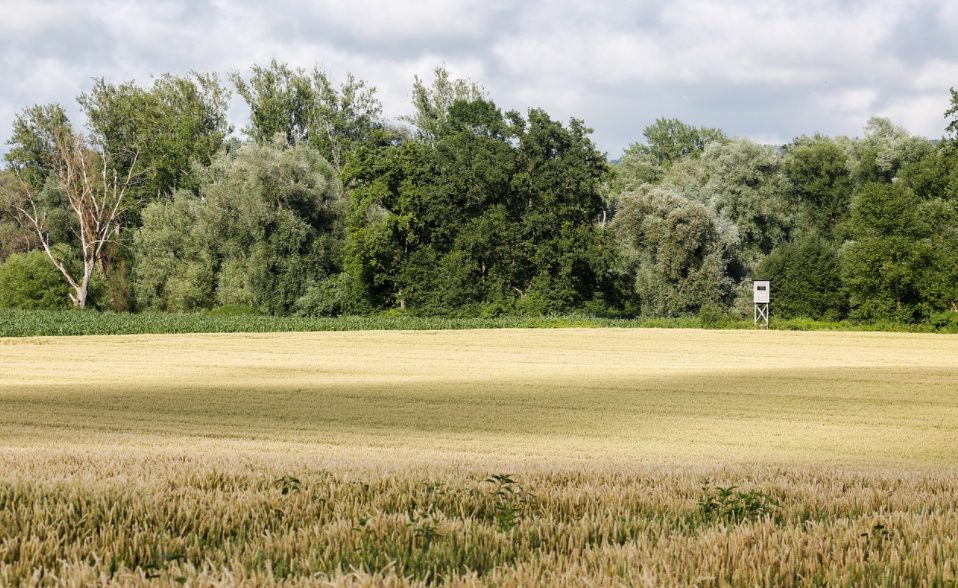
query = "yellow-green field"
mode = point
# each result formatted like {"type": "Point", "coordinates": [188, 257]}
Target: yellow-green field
{"type": "Point", "coordinates": [370, 458]}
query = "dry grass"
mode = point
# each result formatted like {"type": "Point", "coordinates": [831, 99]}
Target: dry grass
{"type": "Point", "coordinates": [364, 458]}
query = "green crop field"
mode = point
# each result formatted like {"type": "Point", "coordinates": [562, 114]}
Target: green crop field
{"type": "Point", "coordinates": [488, 457]}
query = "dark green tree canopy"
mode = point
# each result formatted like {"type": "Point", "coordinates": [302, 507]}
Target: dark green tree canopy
{"type": "Point", "coordinates": [491, 212]}
{"type": "Point", "coordinates": [817, 168]}
{"type": "Point", "coordinates": [806, 279]}
{"type": "Point", "coordinates": [885, 262]}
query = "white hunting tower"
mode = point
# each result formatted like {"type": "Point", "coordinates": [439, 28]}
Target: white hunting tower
{"type": "Point", "coordinates": [761, 296]}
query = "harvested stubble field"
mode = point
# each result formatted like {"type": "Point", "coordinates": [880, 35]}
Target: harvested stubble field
{"type": "Point", "coordinates": [502, 457]}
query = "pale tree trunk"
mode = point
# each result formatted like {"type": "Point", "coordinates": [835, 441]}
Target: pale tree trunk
{"type": "Point", "coordinates": [84, 289]}
{"type": "Point", "coordinates": [95, 197]}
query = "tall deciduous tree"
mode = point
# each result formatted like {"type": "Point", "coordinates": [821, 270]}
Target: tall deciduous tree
{"type": "Point", "coordinates": [821, 183]}
{"type": "Point", "coordinates": [177, 122]}
{"type": "Point", "coordinates": [264, 227]}
{"type": "Point", "coordinates": [884, 150]}
{"type": "Point", "coordinates": [884, 263]}
{"type": "Point", "coordinates": [496, 213]}
{"type": "Point", "coordinates": [343, 117]}
{"type": "Point", "coordinates": [669, 140]}
{"type": "Point", "coordinates": [95, 193]}
{"type": "Point", "coordinates": [33, 148]}
{"type": "Point", "coordinates": [806, 277]}
{"type": "Point", "coordinates": [433, 101]}
{"type": "Point", "coordinates": [636, 168]}
{"type": "Point", "coordinates": [746, 184]}
{"type": "Point", "coordinates": [939, 281]}
{"type": "Point", "coordinates": [280, 100]}
{"type": "Point", "coordinates": [676, 251]}
{"type": "Point", "coordinates": [170, 128]}
{"type": "Point", "coordinates": [308, 108]}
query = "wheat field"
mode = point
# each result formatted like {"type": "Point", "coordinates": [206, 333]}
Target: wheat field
{"type": "Point", "coordinates": [491, 457]}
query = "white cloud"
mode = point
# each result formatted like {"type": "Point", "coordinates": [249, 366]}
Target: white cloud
{"type": "Point", "coordinates": [948, 14]}
{"type": "Point", "coordinates": [410, 20]}
{"type": "Point", "coordinates": [937, 75]}
{"type": "Point", "coordinates": [855, 102]}
{"type": "Point", "coordinates": [770, 70]}
{"type": "Point", "coordinates": [25, 17]}
{"type": "Point", "coordinates": [921, 114]}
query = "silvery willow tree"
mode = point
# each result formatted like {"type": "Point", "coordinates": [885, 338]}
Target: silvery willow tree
{"type": "Point", "coordinates": [264, 226]}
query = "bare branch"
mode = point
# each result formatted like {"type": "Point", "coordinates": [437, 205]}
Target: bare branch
{"type": "Point", "coordinates": [94, 194]}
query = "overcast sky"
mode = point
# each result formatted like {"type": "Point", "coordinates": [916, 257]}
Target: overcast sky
{"type": "Point", "coordinates": [766, 69]}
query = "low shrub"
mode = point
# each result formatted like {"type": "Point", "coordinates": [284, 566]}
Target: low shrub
{"type": "Point", "coordinates": [711, 316]}
{"type": "Point", "coordinates": [729, 505]}
{"type": "Point", "coordinates": [945, 322]}
{"type": "Point", "coordinates": [29, 281]}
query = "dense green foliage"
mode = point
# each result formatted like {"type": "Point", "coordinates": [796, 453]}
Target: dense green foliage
{"type": "Point", "coordinates": [845, 228]}
{"type": "Point", "coordinates": [885, 261]}
{"type": "Point", "coordinates": [260, 233]}
{"type": "Point", "coordinates": [177, 122]}
{"type": "Point", "coordinates": [32, 147]}
{"type": "Point", "coordinates": [677, 250]}
{"type": "Point", "coordinates": [29, 281]}
{"type": "Point", "coordinates": [327, 208]}
{"type": "Point", "coordinates": [807, 278]}
{"type": "Point", "coordinates": [821, 184]}
{"type": "Point", "coordinates": [307, 108]}
{"type": "Point", "coordinates": [239, 319]}
{"type": "Point", "coordinates": [14, 236]}
{"type": "Point", "coordinates": [19, 323]}
{"type": "Point", "coordinates": [494, 215]}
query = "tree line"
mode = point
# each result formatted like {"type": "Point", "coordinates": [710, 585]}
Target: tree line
{"type": "Point", "coordinates": [320, 206]}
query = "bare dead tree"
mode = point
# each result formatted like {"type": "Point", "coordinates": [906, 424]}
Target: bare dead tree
{"type": "Point", "coordinates": [96, 196]}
